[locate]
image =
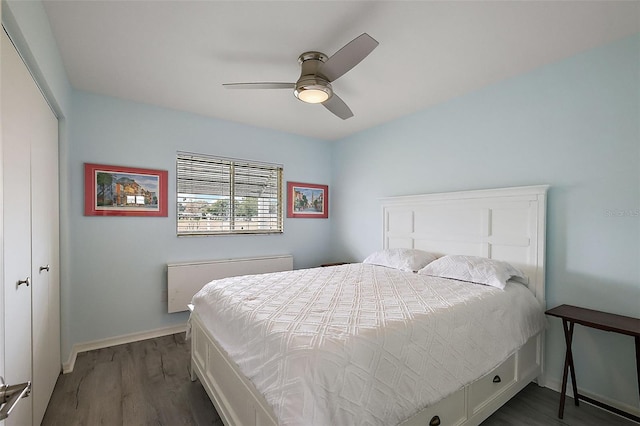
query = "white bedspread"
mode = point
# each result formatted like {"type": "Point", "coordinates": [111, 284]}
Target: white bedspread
{"type": "Point", "coordinates": [362, 344]}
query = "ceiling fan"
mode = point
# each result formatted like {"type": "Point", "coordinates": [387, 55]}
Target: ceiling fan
{"type": "Point", "coordinates": [318, 72]}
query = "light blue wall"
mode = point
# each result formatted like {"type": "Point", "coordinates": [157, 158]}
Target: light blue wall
{"type": "Point", "coordinates": [574, 125]}
{"type": "Point", "coordinates": [118, 264]}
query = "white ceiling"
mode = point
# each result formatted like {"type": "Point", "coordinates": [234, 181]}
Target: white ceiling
{"type": "Point", "coordinates": [177, 54]}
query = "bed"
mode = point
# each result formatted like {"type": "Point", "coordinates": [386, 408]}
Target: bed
{"type": "Point", "coordinates": [327, 357]}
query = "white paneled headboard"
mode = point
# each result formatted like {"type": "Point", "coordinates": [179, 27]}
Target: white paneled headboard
{"type": "Point", "coordinates": [506, 224]}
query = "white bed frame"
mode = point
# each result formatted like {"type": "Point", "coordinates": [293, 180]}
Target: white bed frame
{"type": "Point", "coordinates": [506, 224]}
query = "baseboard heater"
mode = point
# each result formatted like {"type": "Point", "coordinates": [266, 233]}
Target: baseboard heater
{"type": "Point", "coordinates": [186, 279]}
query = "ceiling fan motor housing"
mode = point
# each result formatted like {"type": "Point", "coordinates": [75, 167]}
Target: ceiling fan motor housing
{"type": "Point", "coordinates": [311, 80]}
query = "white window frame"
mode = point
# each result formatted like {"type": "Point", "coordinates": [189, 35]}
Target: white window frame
{"type": "Point", "coordinates": [205, 184]}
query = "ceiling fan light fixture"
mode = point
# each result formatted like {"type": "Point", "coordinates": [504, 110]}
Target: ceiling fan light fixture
{"type": "Point", "coordinates": [313, 94]}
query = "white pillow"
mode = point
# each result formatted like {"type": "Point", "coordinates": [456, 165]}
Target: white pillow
{"type": "Point", "coordinates": [474, 269]}
{"type": "Point", "coordinates": [410, 260]}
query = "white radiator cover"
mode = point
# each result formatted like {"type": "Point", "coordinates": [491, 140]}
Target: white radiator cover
{"type": "Point", "coordinates": [186, 279]}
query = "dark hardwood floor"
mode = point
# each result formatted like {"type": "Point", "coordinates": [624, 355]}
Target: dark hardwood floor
{"type": "Point", "coordinates": [539, 406]}
{"type": "Point", "coordinates": [141, 383]}
{"type": "Point", "coordinates": [147, 383]}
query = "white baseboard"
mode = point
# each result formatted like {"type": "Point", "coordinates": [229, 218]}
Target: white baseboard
{"type": "Point", "coordinates": [556, 385]}
{"type": "Point", "coordinates": [67, 367]}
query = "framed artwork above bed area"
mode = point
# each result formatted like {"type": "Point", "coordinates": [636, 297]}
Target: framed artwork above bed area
{"type": "Point", "coordinates": [401, 338]}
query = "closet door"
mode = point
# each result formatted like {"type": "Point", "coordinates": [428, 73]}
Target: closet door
{"type": "Point", "coordinates": [31, 240]}
{"type": "Point", "coordinates": [45, 291]}
{"type": "Point", "coordinates": [18, 94]}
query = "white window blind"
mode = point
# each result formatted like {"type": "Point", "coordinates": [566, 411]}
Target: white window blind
{"type": "Point", "coordinates": [218, 195]}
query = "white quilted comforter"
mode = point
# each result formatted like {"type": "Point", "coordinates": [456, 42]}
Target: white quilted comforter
{"type": "Point", "coordinates": [361, 344]}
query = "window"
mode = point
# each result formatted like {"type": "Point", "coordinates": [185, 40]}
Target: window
{"type": "Point", "coordinates": [225, 196]}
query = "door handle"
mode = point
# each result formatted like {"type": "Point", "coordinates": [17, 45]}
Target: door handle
{"type": "Point", "coordinates": [27, 282]}
{"type": "Point", "coordinates": [10, 395]}
{"type": "Point", "coordinates": [44, 268]}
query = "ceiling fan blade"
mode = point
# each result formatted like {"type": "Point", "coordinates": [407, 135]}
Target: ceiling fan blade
{"type": "Point", "coordinates": [259, 85]}
{"type": "Point", "coordinates": [338, 107]}
{"type": "Point", "coordinates": [348, 57]}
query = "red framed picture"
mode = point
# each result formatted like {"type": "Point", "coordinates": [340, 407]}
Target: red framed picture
{"type": "Point", "coordinates": [124, 191]}
{"type": "Point", "coordinates": [307, 200]}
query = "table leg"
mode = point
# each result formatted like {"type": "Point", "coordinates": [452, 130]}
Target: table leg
{"type": "Point", "coordinates": [568, 364]}
{"type": "Point", "coordinates": [572, 368]}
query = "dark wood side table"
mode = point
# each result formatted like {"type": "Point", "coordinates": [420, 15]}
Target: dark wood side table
{"type": "Point", "coordinates": [572, 315]}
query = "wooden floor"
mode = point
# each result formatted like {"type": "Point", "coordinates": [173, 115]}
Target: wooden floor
{"type": "Point", "coordinates": [142, 383]}
{"type": "Point", "coordinates": [147, 383]}
{"type": "Point", "coordinates": [539, 406]}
